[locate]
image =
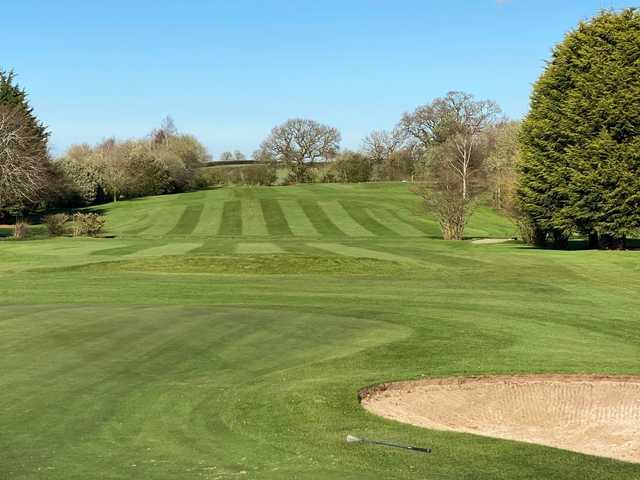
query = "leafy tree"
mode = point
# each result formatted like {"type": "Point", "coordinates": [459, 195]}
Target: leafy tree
{"type": "Point", "coordinates": [580, 165]}
{"type": "Point", "coordinates": [299, 143]}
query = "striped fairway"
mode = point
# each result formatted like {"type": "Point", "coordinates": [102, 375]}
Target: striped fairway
{"type": "Point", "coordinates": [253, 220]}
{"type": "Point", "coordinates": [315, 212]}
{"type": "Point", "coordinates": [343, 220]}
{"type": "Point", "coordinates": [299, 222]}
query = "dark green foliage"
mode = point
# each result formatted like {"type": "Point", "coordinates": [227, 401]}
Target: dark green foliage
{"type": "Point", "coordinates": [13, 96]}
{"type": "Point", "coordinates": [254, 174]}
{"type": "Point", "coordinates": [352, 167]}
{"type": "Point", "coordinates": [581, 140]}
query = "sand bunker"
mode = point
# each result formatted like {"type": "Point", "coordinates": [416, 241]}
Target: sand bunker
{"type": "Point", "coordinates": [596, 415]}
{"type": "Point", "coordinates": [491, 241]}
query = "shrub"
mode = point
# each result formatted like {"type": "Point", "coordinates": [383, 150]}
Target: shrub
{"type": "Point", "coordinates": [56, 223]}
{"type": "Point", "coordinates": [259, 175]}
{"type": "Point", "coordinates": [352, 167]}
{"type": "Point", "coordinates": [328, 177]}
{"type": "Point", "coordinates": [21, 229]}
{"type": "Point", "coordinates": [90, 224]}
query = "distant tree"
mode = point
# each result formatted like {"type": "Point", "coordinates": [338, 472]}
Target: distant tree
{"type": "Point", "coordinates": [453, 131]}
{"type": "Point", "coordinates": [502, 165]}
{"type": "Point", "coordinates": [112, 164]}
{"type": "Point", "coordinates": [226, 157]}
{"type": "Point", "coordinates": [238, 156]}
{"type": "Point", "coordinates": [379, 145]}
{"type": "Point", "coordinates": [165, 132]}
{"type": "Point", "coordinates": [299, 143]}
{"type": "Point", "coordinates": [580, 168]}
{"type": "Point", "coordinates": [456, 123]}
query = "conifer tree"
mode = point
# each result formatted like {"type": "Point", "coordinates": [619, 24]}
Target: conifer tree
{"type": "Point", "coordinates": [24, 160]}
{"type": "Point", "coordinates": [580, 168]}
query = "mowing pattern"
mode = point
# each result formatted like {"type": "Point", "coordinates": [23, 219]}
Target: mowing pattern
{"type": "Point", "coordinates": [231, 223]}
{"type": "Point", "coordinates": [313, 211]}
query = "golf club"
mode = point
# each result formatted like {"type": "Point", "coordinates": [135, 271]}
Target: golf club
{"type": "Point", "coordinates": [354, 439]}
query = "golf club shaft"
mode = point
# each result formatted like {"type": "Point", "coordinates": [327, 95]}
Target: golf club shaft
{"type": "Point", "coordinates": [397, 445]}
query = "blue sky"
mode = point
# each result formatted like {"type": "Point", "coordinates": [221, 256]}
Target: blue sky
{"type": "Point", "coordinates": [228, 71]}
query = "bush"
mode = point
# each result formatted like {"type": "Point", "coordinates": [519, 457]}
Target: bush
{"type": "Point", "coordinates": [89, 224]}
{"type": "Point", "coordinates": [56, 223]}
{"type": "Point", "coordinates": [352, 168]}
{"type": "Point", "coordinates": [328, 177]}
{"type": "Point", "coordinates": [300, 173]}
{"type": "Point", "coordinates": [259, 175]}
{"type": "Point", "coordinates": [21, 229]}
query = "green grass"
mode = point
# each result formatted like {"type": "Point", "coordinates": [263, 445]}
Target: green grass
{"type": "Point", "coordinates": [225, 334]}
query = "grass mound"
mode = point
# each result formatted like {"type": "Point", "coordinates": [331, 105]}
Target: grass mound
{"type": "Point", "coordinates": [266, 264]}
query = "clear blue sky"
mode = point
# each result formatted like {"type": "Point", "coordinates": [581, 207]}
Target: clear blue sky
{"type": "Point", "coordinates": [228, 71]}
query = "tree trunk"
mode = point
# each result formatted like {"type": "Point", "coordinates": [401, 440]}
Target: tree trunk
{"type": "Point", "coordinates": [594, 241]}
{"type": "Point", "coordinates": [560, 241]}
{"type": "Point", "coordinates": [612, 243]}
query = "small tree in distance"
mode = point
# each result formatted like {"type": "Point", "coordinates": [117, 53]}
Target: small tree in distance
{"type": "Point", "coordinates": [299, 143]}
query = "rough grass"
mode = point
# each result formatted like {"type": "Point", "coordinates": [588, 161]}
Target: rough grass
{"type": "Point", "coordinates": [168, 354]}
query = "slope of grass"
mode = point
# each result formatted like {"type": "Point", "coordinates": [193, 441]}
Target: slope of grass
{"type": "Point", "coordinates": [225, 334]}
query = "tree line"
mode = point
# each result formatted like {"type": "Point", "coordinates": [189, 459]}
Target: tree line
{"type": "Point", "coordinates": [571, 167]}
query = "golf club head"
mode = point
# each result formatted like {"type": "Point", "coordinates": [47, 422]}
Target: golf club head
{"type": "Point", "coordinates": [352, 439]}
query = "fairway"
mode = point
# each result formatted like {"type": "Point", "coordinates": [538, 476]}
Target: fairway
{"type": "Point", "coordinates": [225, 334]}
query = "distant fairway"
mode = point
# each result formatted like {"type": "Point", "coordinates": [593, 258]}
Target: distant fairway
{"type": "Point", "coordinates": [225, 334]}
{"type": "Point", "coordinates": [309, 211]}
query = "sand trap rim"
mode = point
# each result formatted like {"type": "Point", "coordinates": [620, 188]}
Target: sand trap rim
{"type": "Point", "coordinates": [373, 389]}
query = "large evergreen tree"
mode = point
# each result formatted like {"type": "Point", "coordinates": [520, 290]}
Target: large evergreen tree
{"type": "Point", "coordinates": [24, 160]}
{"type": "Point", "coordinates": [580, 169]}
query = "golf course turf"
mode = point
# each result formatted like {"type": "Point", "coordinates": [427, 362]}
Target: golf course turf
{"type": "Point", "coordinates": [226, 333]}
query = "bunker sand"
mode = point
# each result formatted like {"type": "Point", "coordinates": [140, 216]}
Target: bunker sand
{"type": "Point", "coordinates": [595, 415]}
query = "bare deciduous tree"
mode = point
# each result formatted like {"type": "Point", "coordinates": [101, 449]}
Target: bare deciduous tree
{"type": "Point", "coordinates": [23, 162]}
{"type": "Point", "coordinates": [226, 157]}
{"type": "Point", "coordinates": [453, 130]}
{"type": "Point", "coordinates": [458, 122]}
{"type": "Point", "coordinates": [501, 165]}
{"type": "Point", "coordinates": [379, 145]}
{"type": "Point", "coordinates": [299, 143]}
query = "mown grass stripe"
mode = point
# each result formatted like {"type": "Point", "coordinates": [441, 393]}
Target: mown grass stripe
{"type": "Point", "coordinates": [274, 217]}
{"type": "Point", "coordinates": [362, 217]}
{"type": "Point", "coordinates": [297, 219]}
{"type": "Point", "coordinates": [319, 219]}
{"type": "Point", "coordinates": [395, 222]}
{"type": "Point", "coordinates": [188, 220]}
{"type": "Point", "coordinates": [231, 223]}
{"type": "Point", "coordinates": [341, 218]}
{"type": "Point", "coordinates": [253, 223]}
